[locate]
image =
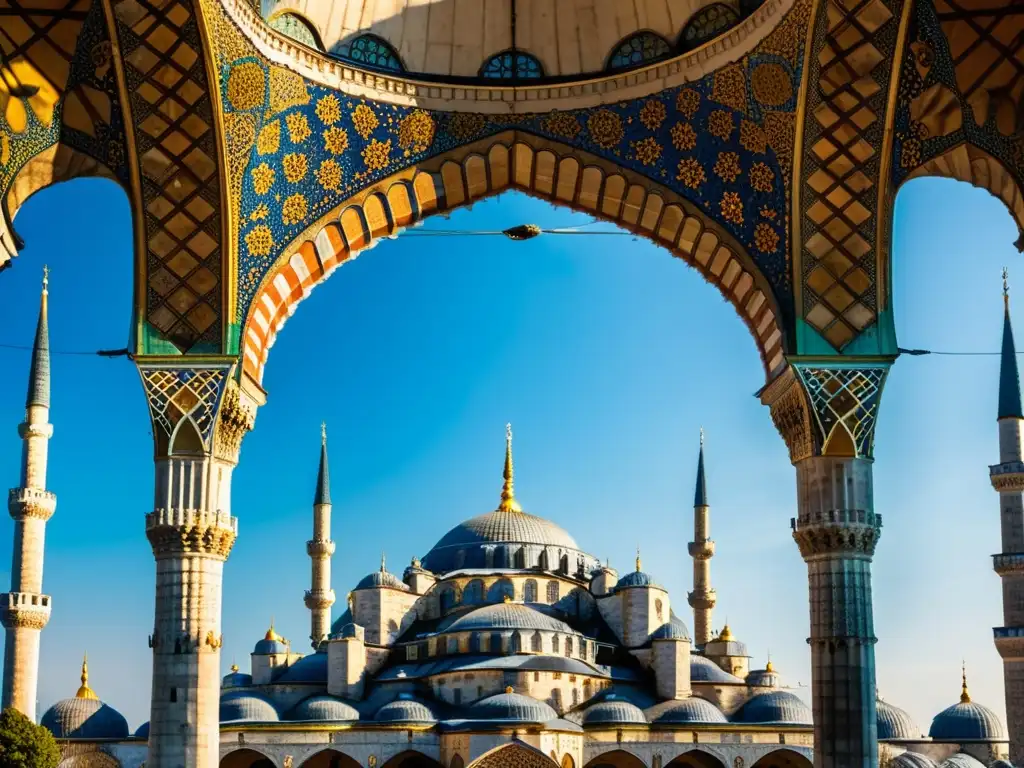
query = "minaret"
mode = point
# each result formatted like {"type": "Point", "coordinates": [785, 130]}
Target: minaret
{"type": "Point", "coordinates": [701, 549]}
{"type": "Point", "coordinates": [24, 611]}
{"type": "Point", "coordinates": [1008, 479]}
{"type": "Point", "coordinates": [320, 597]}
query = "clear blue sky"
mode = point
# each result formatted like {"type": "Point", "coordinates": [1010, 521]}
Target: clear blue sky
{"type": "Point", "coordinates": [606, 354]}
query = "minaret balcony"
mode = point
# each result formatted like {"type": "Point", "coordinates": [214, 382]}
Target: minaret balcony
{"type": "Point", "coordinates": [1008, 477]}
{"type": "Point", "coordinates": [26, 431]}
{"type": "Point", "coordinates": [703, 600]}
{"type": "Point", "coordinates": [1007, 563]}
{"type": "Point", "coordinates": [843, 532]}
{"type": "Point", "coordinates": [316, 599]}
{"type": "Point", "coordinates": [701, 550]}
{"type": "Point", "coordinates": [1009, 642]}
{"type": "Point", "coordinates": [177, 532]}
{"type": "Point", "coordinates": [31, 502]}
{"type": "Point", "coordinates": [24, 610]}
{"type": "Point", "coordinates": [320, 548]}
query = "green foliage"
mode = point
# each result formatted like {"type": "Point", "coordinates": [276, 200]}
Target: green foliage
{"type": "Point", "coordinates": [23, 744]}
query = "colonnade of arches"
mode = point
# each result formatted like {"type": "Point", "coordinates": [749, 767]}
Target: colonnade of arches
{"type": "Point", "coordinates": [327, 758]}
{"type": "Point", "coordinates": [699, 758]}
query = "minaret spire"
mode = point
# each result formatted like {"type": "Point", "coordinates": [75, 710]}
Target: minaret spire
{"type": "Point", "coordinates": [320, 597]}
{"type": "Point", "coordinates": [965, 696]}
{"type": "Point", "coordinates": [85, 692]}
{"type": "Point", "coordinates": [1009, 378]}
{"type": "Point", "coordinates": [39, 373]}
{"type": "Point", "coordinates": [702, 549]}
{"type": "Point", "coordinates": [508, 495]}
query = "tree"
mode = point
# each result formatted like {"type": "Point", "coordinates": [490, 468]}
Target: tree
{"type": "Point", "coordinates": [23, 744]}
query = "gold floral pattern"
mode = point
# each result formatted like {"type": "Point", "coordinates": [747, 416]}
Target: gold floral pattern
{"type": "Point", "coordinates": [259, 240]}
{"type": "Point", "coordinates": [768, 212]}
{"type": "Point", "coordinates": [766, 239]}
{"type": "Point", "coordinates": [771, 85]}
{"type": "Point", "coordinates": [762, 178]}
{"type": "Point", "coordinates": [416, 131]}
{"type": "Point", "coordinates": [298, 127]}
{"type": "Point", "coordinates": [246, 86]}
{"type": "Point", "coordinates": [563, 124]}
{"type": "Point", "coordinates": [647, 150]}
{"type": "Point", "coordinates": [287, 89]}
{"type": "Point", "coordinates": [262, 178]}
{"type": "Point", "coordinates": [259, 212]}
{"type": "Point", "coordinates": [732, 207]}
{"type": "Point", "coordinates": [752, 137]}
{"type": "Point", "coordinates": [652, 114]}
{"type": "Point", "coordinates": [730, 87]}
{"type": "Point", "coordinates": [727, 167]}
{"type": "Point", "coordinates": [688, 102]}
{"type": "Point", "coordinates": [294, 208]}
{"type": "Point", "coordinates": [269, 139]}
{"type": "Point", "coordinates": [690, 172]}
{"type": "Point", "coordinates": [329, 174]}
{"type": "Point", "coordinates": [295, 167]}
{"type": "Point", "coordinates": [364, 120]}
{"type": "Point", "coordinates": [605, 128]}
{"type": "Point", "coordinates": [780, 128]}
{"type": "Point", "coordinates": [910, 153]}
{"type": "Point", "coordinates": [466, 125]}
{"type": "Point", "coordinates": [683, 136]}
{"type": "Point", "coordinates": [335, 140]}
{"type": "Point", "coordinates": [377, 155]}
{"type": "Point", "coordinates": [720, 124]}
{"type": "Point", "coordinates": [328, 109]}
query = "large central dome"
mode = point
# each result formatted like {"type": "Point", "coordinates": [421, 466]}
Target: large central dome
{"type": "Point", "coordinates": [501, 526]}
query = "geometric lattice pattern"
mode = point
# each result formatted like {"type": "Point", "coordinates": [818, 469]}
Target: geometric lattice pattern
{"type": "Point", "coordinates": [844, 402]}
{"type": "Point", "coordinates": [173, 394]}
{"type": "Point", "coordinates": [846, 108]}
{"type": "Point", "coordinates": [178, 160]}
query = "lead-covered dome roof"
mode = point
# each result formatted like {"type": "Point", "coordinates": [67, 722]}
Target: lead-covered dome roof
{"type": "Point", "coordinates": [323, 708]}
{"type": "Point", "coordinates": [81, 718]}
{"type": "Point", "coordinates": [244, 706]}
{"type": "Point", "coordinates": [961, 760]}
{"type": "Point", "coordinates": [508, 616]}
{"type": "Point", "coordinates": [965, 721]}
{"type": "Point", "coordinates": [614, 711]}
{"type": "Point", "coordinates": [776, 708]}
{"type": "Point", "coordinates": [685, 711]}
{"type": "Point", "coordinates": [704, 670]}
{"type": "Point", "coordinates": [894, 723]}
{"type": "Point", "coordinates": [674, 629]}
{"type": "Point", "coordinates": [382, 579]}
{"type": "Point", "coordinates": [405, 709]}
{"type": "Point", "coordinates": [913, 760]}
{"type": "Point", "coordinates": [512, 706]}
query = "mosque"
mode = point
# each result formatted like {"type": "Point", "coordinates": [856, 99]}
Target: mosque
{"type": "Point", "coordinates": [506, 645]}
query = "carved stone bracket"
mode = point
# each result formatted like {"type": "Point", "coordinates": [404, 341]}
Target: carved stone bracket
{"type": "Point", "coordinates": [791, 414]}
{"type": "Point", "coordinates": [839, 532]}
{"type": "Point", "coordinates": [191, 532]}
{"type": "Point", "coordinates": [237, 417]}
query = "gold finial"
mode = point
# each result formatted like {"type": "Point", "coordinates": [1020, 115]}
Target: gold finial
{"type": "Point", "coordinates": [965, 696]}
{"type": "Point", "coordinates": [234, 668]}
{"type": "Point", "coordinates": [508, 495]}
{"type": "Point", "coordinates": [272, 634]}
{"type": "Point", "coordinates": [509, 689]}
{"type": "Point", "coordinates": [85, 692]}
{"type": "Point", "coordinates": [507, 599]}
{"type": "Point", "coordinates": [638, 569]}
{"type": "Point", "coordinates": [383, 562]}
{"type": "Point", "coordinates": [323, 432]}
{"type": "Point", "coordinates": [726, 636]}
{"type": "Point", "coordinates": [46, 278]}
{"type": "Point", "coordinates": [769, 667]}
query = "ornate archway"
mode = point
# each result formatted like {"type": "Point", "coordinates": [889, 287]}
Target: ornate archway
{"type": "Point", "coordinates": [411, 759]}
{"type": "Point", "coordinates": [783, 758]}
{"type": "Point", "coordinates": [246, 758]}
{"type": "Point", "coordinates": [330, 758]}
{"type": "Point", "coordinates": [616, 758]}
{"type": "Point", "coordinates": [516, 755]}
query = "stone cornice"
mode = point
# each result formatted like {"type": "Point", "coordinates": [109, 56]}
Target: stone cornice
{"type": "Point", "coordinates": [174, 533]}
{"type": "Point", "coordinates": [1008, 562]}
{"type": "Point", "coordinates": [1008, 477]}
{"type": "Point", "coordinates": [837, 532]}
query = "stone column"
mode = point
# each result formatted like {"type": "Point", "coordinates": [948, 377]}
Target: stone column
{"type": "Point", "coordinates": [199, 419]}
{"type": "Point", "coordinates": [826, 415]}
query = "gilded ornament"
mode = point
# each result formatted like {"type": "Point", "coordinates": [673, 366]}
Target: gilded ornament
{"type": "Point", "coordinates": [329, 174]}
{"type": "Point", "coordinates": [605, 128]}
{"type": "Point", "coordinates": [648, 150]}
{"type": "Point", "coordinates": [720, 124]}
{"type": "Point", "coordinates": [688, 102]}
{"type": "Point", "coordinates": [465, 125]}
{"type": "Point", "coordinates": [377, 155]}
{"type": "Point", "coordinates": [259, 212]}
{"type": "Point", "coordinates": [766, 239]}
{"type": "Point", "coordinates": [683, 136]}
{"type": "Point", "coordinates": [752, 137]}
{"type": "Point", "coordinates": [287, 89]}
{"type": "Point", "coordinates": [294, 209]}
{"type": "Point", "coordinates": [768, 213]}
{"type": "Point", "coordinates": [259, 240]}
{"type": "Point", "coordinates": [780, 129]}
{"type": "Point", "coordinates": [328, 109]}
{"type": "Point", "coordinates": [5, 149]}
{"type": "Point", "coordinates": [762, 178]}
{"type": "Point", "coordinates": [730, 88]}
{"type": "Point", "coordinates": [652, 114]}
{"type": "Point", "coordinates": [246, 86]}
{"type": "Point", "coordinates": [562, 124]}
{"type": "Point", "coordinates": [732, 207]}
{"type": "Point", "coordinates": [295, 167]}
{"type": "Point", "coordinates": [335, 140]}
{"type": "Point", "coordinates": [364, 120]}
{"type": "Point", "coordinates": [262, 178]}
{"type": "Point", "coordinates": [416, 131]}
{"type": "Point", "coordinates": [910, 153]}
{"type": "Point", "coordinates": [269, 139]}
{"type": "Point", "coordinates": [771, 84]}
{"type": "Point", "coordinates": [298, 127]}
{"type": "Point", "coordinates": [690, 172]}
{"type": "Point", "coordinates": [727, 167]}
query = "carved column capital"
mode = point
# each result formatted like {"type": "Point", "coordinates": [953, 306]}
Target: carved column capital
{"type": "Point", "coordinates": [237, 417]}
{"type": "Point", "coordinates": [173, 533]}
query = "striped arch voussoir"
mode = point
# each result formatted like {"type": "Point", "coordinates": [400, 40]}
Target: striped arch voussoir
{"type": "Point", "coordinates": [417, 194]}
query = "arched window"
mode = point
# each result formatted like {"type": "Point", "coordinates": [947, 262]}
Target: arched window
{"type": "Point", "coordinates": [658, 609]}
{"type": "Point", "coordinates": [392, 631]}
{"type": "Point", "coordinates": [447, 599]}
{"type": "Point", "coordinates": [519, 559]}
{"type": "Point", "coordinates": [583, 655]}
{"type": "Point", "coordinates": [530, 591]}
{"type": "Point", "coordinates": [495, 642]}
{"type": "Point", "coordinates": [473, 594]}
{"type": "Point", "coordinates": [587, 689]}
{"type": "Point", "coordinates": [542, 561]}
{"type": "Point", "coordinates": [636, 50]}
{"type": "Point", "coordinates": [708, 22]}
{"type": "Point", "coordinates": [475, 643]}
{"type": "Point", "coordinates": [575, 696]}
{"type": "Point", "coordinates": [516, 642]}
{"type": "Point", "coordinates": [568, 646]}
{"type": "Point", "coordinates": [535, 643]}
{"type": "Point", "coordinates": [512, 65]}
{"type": "Point", "coordinates": [552, 591]}
{"type": "Point", "coordinates": [500, 590]}
{"type": "Point", "coordinates": [554, 644]}
{"type": "Point", "coordinates": [563, 564]}
{"type": "Point", "coordinates": [371, 52]}
{"type": "Point", "coordinates": [297, 28]}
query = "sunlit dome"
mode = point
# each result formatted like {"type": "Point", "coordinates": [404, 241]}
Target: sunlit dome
{"type": "Point", "coordinates": [84, 716]}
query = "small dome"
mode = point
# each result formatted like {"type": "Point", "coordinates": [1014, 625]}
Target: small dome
{"type": "Point", "coordinates": [382, 579]}
{"type": "Point", "coordinates": [82, 718]}
{"type": "Point", "coordinates": [614, 711]}
{"type": "Point", "coordinates": [508, 616]}
{"type": "Point", "coordinates": [405, 709]}
{"type": "Point", "coordinates": [894, 723]}
{"type": "Point", "coordinates": [913, 760]}
{"type": "Point", "coordinates": [512, 706]}
{"type": "Point", "coordinates": [775, 707]}
{"type": "Point", "coordinates": [763, 678]}
{"type": "Point", "coordinates": [142, 732]}
{"type": "Point", "coordinates": [272, 643]}
{"type": "Point", "coordinates": [308, 669]}
{"type": "Point", "coordinates": [673, 629]}
{"type": "Point", "coordinates": [637, 579]}
{"type": "Point", "coordinates": [961, 760]}
{"type": "Point", "coordinates": [966, 721]}
{"type": "Point", "coordinates": [691, 710]}
{"type": "Point", "coordinates": [248, 707]}
{"type": "Point", "coordinates": [236, 679]}
{"type": "Point", "coordinates": [704, 670]}
{"type": "Point", "coordinates": [323, 708]}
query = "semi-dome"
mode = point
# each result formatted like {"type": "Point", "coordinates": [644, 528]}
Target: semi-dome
{"type": "Point", "coordinates": [236, 679]}
{"type": "Point", "coordinates": [704, 670]}
{"type": "Point", "coordinates": [405, 709]}
{"type": "Point", "coordinates": [614, 711]}
{"type": "Point", "coordinates": [244, 706]}
{"type": "Point", "coordinates": [508, 616]}
{"type": "Point", "coordinates": [775, 707]}
{"type": "Point", "coordinates": [272, 643]}
{"type": "Point", "coordinates": [966, 720]}
{"type": "Point", "coordinates": [142, 732]}
{"type": "Point", "coordinates": [512, 706]}
{"type": "Point", "coordinates": [913, 760]}
{"type": "Point", "coordinates": [84, 716]}
{"type": "Point", "coordinates": [961, 760]}
{"type": "Point", "coordinates": [382, 579]}
{"type": "Point", "coordinates": [686, 711]}
{"type": "Point", "coordinates": [673, 629]}
{"type": "Point", "coordinates": [323, 708]}
{"type": "Point", "coordinates": [894, 723]}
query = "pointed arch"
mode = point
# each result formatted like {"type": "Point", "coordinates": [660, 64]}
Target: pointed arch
{"type": "Point", "coordinates": [696, 758]}
{"type": "Point", "coordinates": [297, 26]}
{"type": "Point", "coordinates": [616, 758]}
{"type": "Point", "coordinates": [784, 758]}
{"type": "Point", "coordinates": [246, 758]}
{"type": "Point", "coordinates": [329, 758]}
{"type": "Point", "coordinates": [411, 759]}
{"type": "Point", "coordinates": [518, 754]}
